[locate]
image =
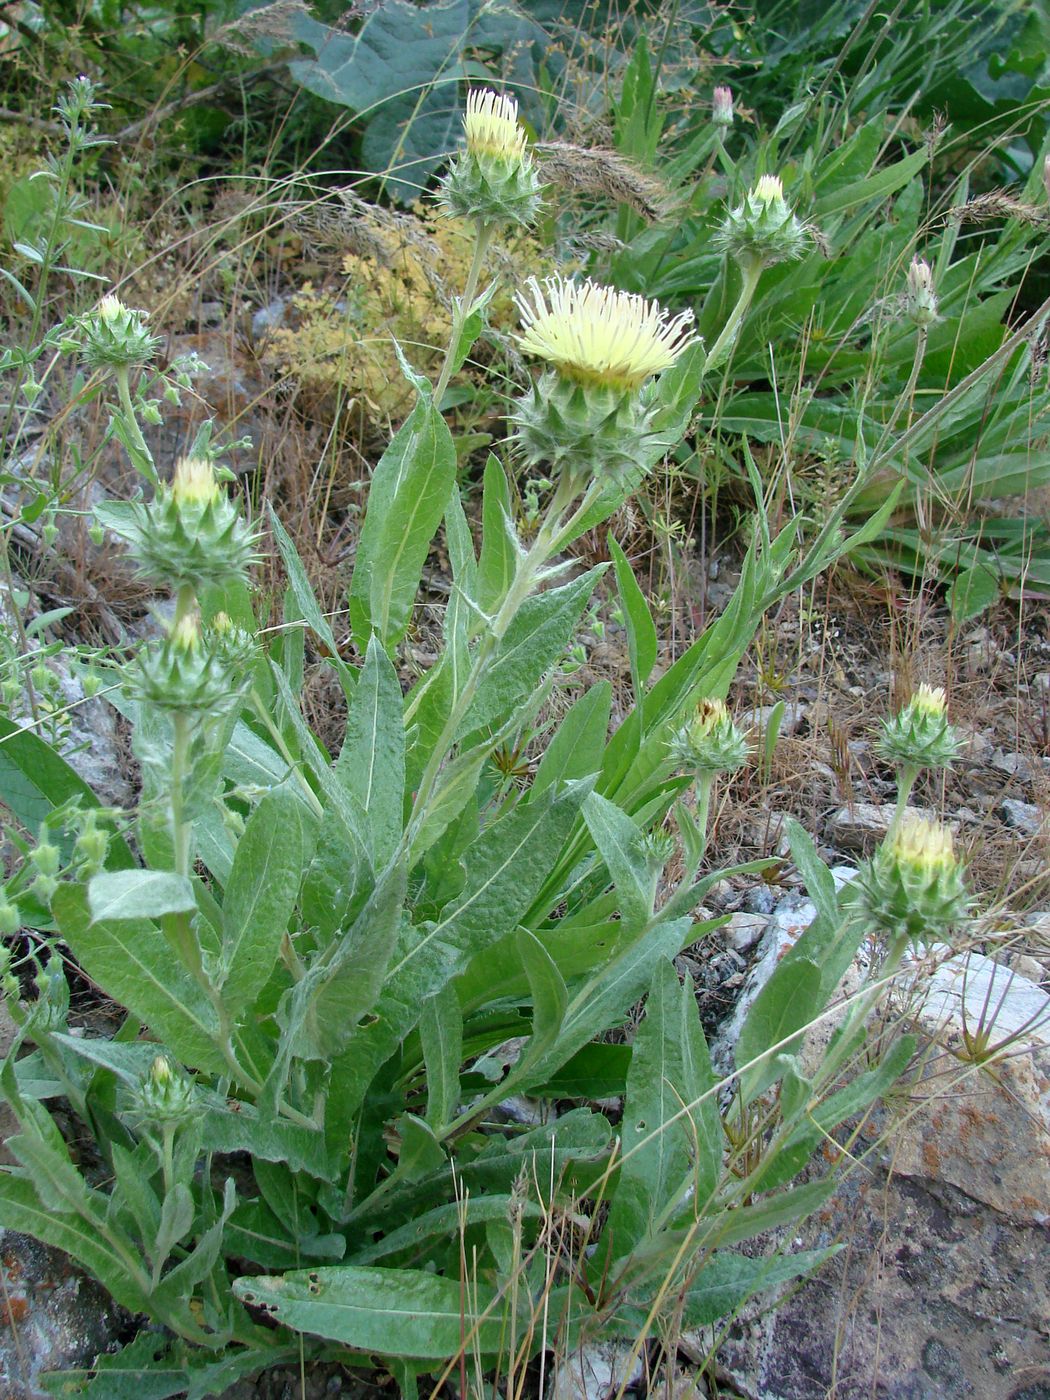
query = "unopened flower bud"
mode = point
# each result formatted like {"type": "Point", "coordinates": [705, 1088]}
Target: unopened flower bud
{"type": "Point", "coordinates": [1046, 175]}
{"type": "Point", "coordinates": [711, 742]}
{"type": "Point", "coordinates": [920, 736]}
{"type": "Point", "coordinates": [115, 337]}
{"type": "Point", "coordinates": [51, 1008]}
{"type": "Point", "coordinates": [91, 845]}
{"type": "Point", "coordinates": [722, 107]}
{"type": "Point", "coordinates": [493, 179]}
{"type": "Point", "coordinates": [10, 922]}
{"type": "Point", "coordinates": [45, 857]}
{"type": "Point", "coordinates": [191, 534]}
{"type": "Point", "coordinates": [186, 673]}
{"type": "Point", "coordinates": [763, 230]}
{"type": "Point", "coordinates": [913, 887]}
{"type": "Point", "coordinates": [921, 299]}
{"type": "Point", "coordinates": [235, 645]}
{"type": "Point", "coordinates": [166, 1094]}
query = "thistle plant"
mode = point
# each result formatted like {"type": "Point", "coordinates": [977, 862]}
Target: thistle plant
{"type": "Point", "coordinates": [324, 959]}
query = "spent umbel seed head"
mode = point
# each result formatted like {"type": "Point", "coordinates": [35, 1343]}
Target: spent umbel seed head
{"type": "Point", "coordinates": [115, 336]}
{"type": "Point", "coordinates": [920, 735]}
{"type": "Point", "coordinates": [493, 179]}
{"type": "Point", "coordinates": [191, 534]}
{"type": "Point", "coordinates": [763, 230]}
{"type": "Point", "coordinates": [920, 298]}
{"type": "Point", "coordinates": [722, 107]}
{"type": "Point", "coordinates": [711, 742]}
{"type": "Point", "coordinates": [590, 414]}
{"type": "Point", "coordinates": [914, 886]}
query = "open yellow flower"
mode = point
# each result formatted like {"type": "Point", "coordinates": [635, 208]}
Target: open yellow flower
{"type": "Point", "coordinates": [598, 335]}
{"type": "Point", "coordinates": [492, 127]}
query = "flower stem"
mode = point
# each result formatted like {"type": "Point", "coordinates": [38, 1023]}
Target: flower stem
{"type": "Point", "coordinates": [462, 308]}
{"type": "Point", "coordinates": [141, 456]}
{"type": "Point", "coordinates": [554, 529]}
{"type": "Point", "coordinates": [752, 271]}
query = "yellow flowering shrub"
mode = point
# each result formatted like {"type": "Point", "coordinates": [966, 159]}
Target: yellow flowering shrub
{"type": "Point", "coordinates": [398, 284]}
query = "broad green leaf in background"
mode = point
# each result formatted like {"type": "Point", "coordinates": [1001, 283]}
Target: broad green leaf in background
{"type": "Point", "coordinates": [139, 894]}
{"type": "Point", "coordinates": [134, 964]}
{"type": "Point", "coordinates": [400, 71]}
{"type": "Point", "coordinates": [272, 855]}
{"type": "Point", "coordinates": [371, 763]}
{"type": "Point", "coordinates": [393, 1312]}
{"type": "Point", "coordinates": [786, 1004]}
{"type": "Point", "coordinates": [34, 780]}
{"type": "Point", "coordinates": [972, 591]}
{"type": "Point", "coordinates": [410, 489]}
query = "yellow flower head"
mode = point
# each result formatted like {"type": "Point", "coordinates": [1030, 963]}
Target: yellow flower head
{"type": "Point", "coordinates": [708, 714]}
{"type": "Point", "coordinates": [186, 634]}
{"type": "Point", "coordinates": [597, 335]}
{"type": "Point", "coordinates": [194, 482]}
{"type": "Point", "coordinates": [928, 700]}
{"type": "Point", "coordinates": [768, 189]}
{"type": "Point", "coordinates": [922, 845]}
{"type": "Point", "coordinates": [110, 309]}
{"type": "Point", "coordinates": [492, 127]}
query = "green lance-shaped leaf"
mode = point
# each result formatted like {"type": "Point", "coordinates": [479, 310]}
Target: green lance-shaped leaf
{"type": "Point", "coordinates": [783, 1008]}
{"type": "Point", "coordinates": [506, 866]}
{"type": "Point", "coordinates": [371, 763]}
{"type": "Point", "coordinates": [619, 844]}
{"type": "Point", "coordinates": [389, 1312]}
{"type": "Point", "coordinates": [641, 630]}
{"type": "Point", "coordinates": [22, 1209]}
{"type": "Point", "coordinates": [322, 1010]}
{"type": "Point", "coordinates": [268, 865]}
{"type": "Point", "coordinates": [668, 1147]}
{"type": "Point", "coordinates": [441, 1036]}
{"type": "Point", "coordinates": [410, 489]}
{"type": "Point", "coordinates": [607, 996]}
{"type": "Point", "coordinates": [576, 749]}
{"type": "Point", "coordinates": [727, 1280]}
{"type": "Point", "coordinates": [500, 550]}
{"type": "Point", "coordinates": [306, 599]}
{"type": "Point", "coordinates": [132, 962]}
{"type": "Point", "coordinates": [533, 643]}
